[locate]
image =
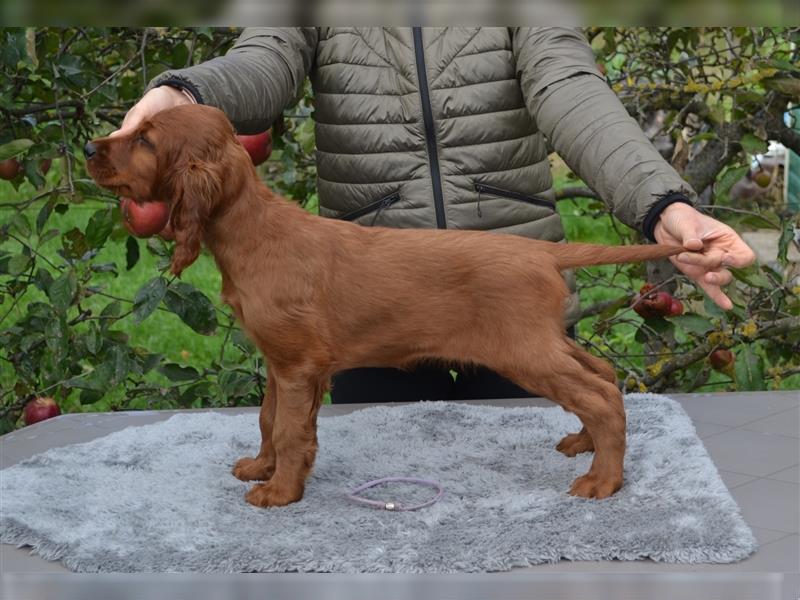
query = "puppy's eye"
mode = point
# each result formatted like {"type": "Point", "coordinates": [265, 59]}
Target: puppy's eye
{"type": "Point", "coordinates": [144, 141]}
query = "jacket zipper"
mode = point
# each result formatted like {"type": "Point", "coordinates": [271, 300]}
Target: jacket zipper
{"type": "Point", "coordinates": [377, 205]}
{"type": "Point", "coordinates": [430, 134]}
{"type": "Point", "coordinates": [488, 189]}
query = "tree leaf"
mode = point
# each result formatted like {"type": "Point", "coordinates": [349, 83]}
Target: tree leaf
{"type": "Point", "coordinates": [752, 276]}
{"type": "Point", "coordinates": [192, 306]}
{"type": "Point", "coordinates": [74, 243]}
{"type": "Point", "coordinates": [175, 372]}
{"type": "Point", "coordinates": [693, 323]}
{"type": "Point", "coordinates": [62, 290]}
{"type": "Point", "coordinates": [787, 235]}
{"type": "Point", "coordinates": [749, 370]}
{"type": "Point", "coordinates": [728, 178]}
{"type": "Point", "coordinates": [20, 222]}
{"type": "Point", "coordinates": [785, 85]}
{"type": "Point", "coordinates": [752, 144]}
{"type": "Point", "coordinates": [131, 252]}
{"type": "Point", "coordinates": [93, 339]}
{"type": "Point", "coordinates": [18, 264]}
{"type": "Point", "coordinates": [99, 227]}
{"type": "Point", "coordinates": [148, 298]}
{"type": "Point", "coordinates": [157, 246]}
{"type": "Point", "coordinates": [14, 148]}
{"type": "Point", "coordinates": [44, 214]}
{"type": "Point", "coordinates": [98, 380]}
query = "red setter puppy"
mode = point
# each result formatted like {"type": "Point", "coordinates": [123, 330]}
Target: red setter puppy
{"type": "Point", "coordinates": [320, 295]}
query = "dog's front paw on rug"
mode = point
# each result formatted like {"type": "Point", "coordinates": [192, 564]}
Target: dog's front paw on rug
{"type": "Point", "coordinates": [268, 494]}
{"type": "Point", "coordinates": [253, 469]}
{"type": "Point", "coordinates": [595, 486]}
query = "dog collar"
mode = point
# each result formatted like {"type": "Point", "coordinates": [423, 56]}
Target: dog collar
{"type": "Point", "coordinates": [396, 506]}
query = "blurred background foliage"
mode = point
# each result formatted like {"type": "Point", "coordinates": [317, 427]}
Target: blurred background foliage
{"type": "Point", "coordinates": [88, 317]}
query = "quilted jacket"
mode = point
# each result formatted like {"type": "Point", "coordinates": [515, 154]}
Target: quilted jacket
{"type": "Point", "coordinates": [444, 127]}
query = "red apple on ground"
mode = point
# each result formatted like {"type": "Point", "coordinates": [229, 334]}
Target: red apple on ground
{"type": "Point", "coordinates": [40, 409]}
{"type": "Point", "coordinates": [258, 146]}
{"type": "Point", "coordinates": [9, 168]}
{"type": "Point", "coordinates": [145, 219]}
{"type": "Point", "coordinates": [721, 359]}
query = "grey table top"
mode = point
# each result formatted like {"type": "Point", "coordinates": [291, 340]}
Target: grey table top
{"type": "Point", "coordinates": [753, 438]}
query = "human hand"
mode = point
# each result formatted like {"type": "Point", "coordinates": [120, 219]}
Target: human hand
{"type": "Point", "coordinates": [156, 100]}
{"type": "Point", "coordinates": [681, 224]}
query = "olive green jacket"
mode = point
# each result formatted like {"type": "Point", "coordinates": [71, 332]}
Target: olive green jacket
{"type": "Point", "coordinates": [443, 127]}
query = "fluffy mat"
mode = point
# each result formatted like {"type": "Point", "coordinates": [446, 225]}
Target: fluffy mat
{"type": "Point", "coordinates": [161, 497]}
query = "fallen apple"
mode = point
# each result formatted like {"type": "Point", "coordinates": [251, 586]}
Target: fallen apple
{"type": "Point", "coordinates": [258, 146]}
{"type": "Point", "coordinates": [145, 219]}
{"type": "Point", "coordinates": [721, 359]}
{"type": "Point", "coordinates": [9, 168]}
{"type": "Point", "coordinates": [40, 409]}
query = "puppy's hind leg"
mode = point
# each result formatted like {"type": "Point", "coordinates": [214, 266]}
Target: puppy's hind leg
{"type": "Point", "coordinates": [597, 403]}
{"type": "Point", "coordinates": [575, 443]}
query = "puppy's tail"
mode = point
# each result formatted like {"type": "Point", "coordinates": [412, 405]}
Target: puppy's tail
{"type": "Point", "coordinates": [570, 256]}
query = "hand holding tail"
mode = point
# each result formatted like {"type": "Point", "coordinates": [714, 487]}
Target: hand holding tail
{"type": "Point", "coordinates": [712, 247]}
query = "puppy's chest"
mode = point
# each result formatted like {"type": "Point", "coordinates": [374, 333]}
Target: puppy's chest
{"type": "Point", "coordinates": [257, 313]}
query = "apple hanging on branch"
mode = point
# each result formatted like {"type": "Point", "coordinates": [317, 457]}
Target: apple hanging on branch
{"type": "Point", "coordinates": [258, 146]}
{"type": "Point", "coordinates": [9, 168]}
{"type": "Point", "coordinates": [650, 304]}
{"type": "Point", "coordinates": [721, 360]}
{"type": "Point", "coordinates": [40, 409]}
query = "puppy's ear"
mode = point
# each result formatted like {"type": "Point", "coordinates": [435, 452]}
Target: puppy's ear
{"type": "Point", "coordinates": [197, 187]}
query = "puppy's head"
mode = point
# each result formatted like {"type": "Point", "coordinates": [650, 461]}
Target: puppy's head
{"type": "Point", "coordinates": [188, 156]}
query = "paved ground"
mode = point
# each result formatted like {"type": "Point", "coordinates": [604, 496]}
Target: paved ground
{"type": "Point", "coordinates": [753, 438]}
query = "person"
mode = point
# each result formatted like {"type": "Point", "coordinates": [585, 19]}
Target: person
{"type": "Point", "coordinates": [448, 128]}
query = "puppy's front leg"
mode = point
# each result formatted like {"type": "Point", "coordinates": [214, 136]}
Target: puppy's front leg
{"type": "Point", "coordinates": [294, 438]}
{"type": "Point", "coordinates": [262, 466]}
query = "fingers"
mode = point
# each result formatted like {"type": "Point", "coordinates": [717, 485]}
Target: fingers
{"type": "Point", "coordinates": [156, 100]}
{"type": "Point", "coordinates": [719, 278]}
{"type": "Point", "coordinates": [740, 257]}
{"type": "Point", "coordinates": [710, 259]}
{"type": "Point", "coordinates": [710, 281]}
{"type": "Point", "coordinates": [716, 294]}
{"type": "Point", "coordinates": [132, 119]}
{"type": "Point", "coordinates": [693, 243]}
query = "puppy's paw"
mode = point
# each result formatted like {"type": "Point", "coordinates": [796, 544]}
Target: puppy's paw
{"type": "Point", "coordinates": [253, 469]}
{"type": "Point", "coordinates": [575, 443]}
{"type": "Point", "coordinates": [592, 486]}
{"type": "Point", "coordinates": [266, 494]}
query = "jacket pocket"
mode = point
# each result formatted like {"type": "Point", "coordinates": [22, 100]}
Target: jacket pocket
{"type": "Point", "coordinates": [377, 206]}
{"type": "Point", "coordinates": [490, 190]}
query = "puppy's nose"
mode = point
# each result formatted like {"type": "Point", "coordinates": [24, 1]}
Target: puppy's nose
{"type": "Point", "coordinates": [89, 150]}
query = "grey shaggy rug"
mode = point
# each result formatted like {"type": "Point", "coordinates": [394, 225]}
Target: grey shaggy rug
{"type": "Point", "coordinates": [161, 497]}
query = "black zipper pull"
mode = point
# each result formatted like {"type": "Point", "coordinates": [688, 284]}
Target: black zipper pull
{"type": "Point", "coordinates": [480, 189]}
{"type": "Point", "coordinates": [386, 202]}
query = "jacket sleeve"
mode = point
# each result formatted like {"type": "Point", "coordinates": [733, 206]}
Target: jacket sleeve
{"type": "Point", "coordinates": [260, 75]}
{"type": "Point", "coordinates": [590, 129]}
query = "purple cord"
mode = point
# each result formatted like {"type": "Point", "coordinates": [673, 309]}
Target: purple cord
{"type": "Point", "coordinates": [394, 505]}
